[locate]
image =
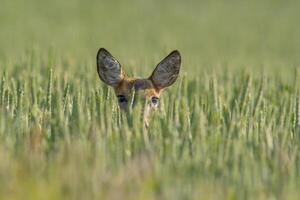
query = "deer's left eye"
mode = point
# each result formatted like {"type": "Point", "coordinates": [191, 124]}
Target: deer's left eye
{"type": "Point", "coordinates": [154, 100]}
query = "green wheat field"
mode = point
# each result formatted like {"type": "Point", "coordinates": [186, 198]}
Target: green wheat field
{"type": "Point", "coordinates": [229, 128]}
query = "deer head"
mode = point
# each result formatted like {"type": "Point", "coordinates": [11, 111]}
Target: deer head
{"type": "Point", "coordinates": [127, 88]}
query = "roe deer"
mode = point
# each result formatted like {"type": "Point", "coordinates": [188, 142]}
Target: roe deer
{"type": "Point", "coordinates": [125, 87]}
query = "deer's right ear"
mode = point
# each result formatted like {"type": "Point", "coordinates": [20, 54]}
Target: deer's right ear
{"type": "Point", "coordinates": [166, 72]}
{"type": "Point", "coordinates": [109, 69]}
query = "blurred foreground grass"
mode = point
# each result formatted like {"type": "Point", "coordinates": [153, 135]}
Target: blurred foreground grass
{"type": "Point", "coordinates": [229, 127]}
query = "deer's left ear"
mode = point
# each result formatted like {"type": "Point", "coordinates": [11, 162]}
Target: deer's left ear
{"type": "Point", "coordinates": [166, 72]}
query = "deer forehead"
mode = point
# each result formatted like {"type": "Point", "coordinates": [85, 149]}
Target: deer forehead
{"type": "Point", "coordinates": [126, 86]}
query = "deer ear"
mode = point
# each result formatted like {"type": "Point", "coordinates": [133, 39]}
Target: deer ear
{"type": "Point", "coordinates": [109, 69]}
{"type": "Point", "coordinates": [166, 72]}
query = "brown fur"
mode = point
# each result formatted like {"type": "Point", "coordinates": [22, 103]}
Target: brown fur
{"type": "Point", "coordinates": [127, 84]}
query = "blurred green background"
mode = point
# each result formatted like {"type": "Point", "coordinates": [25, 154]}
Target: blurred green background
{"type": "Point", "coordinates": [230, 127]}
{"type": "Point", "coordinates": [209, 32]}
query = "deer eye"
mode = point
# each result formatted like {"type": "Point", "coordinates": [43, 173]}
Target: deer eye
{"type": "Point", "coordinates": [122, 99]}
{"type": "Point", "coordinates": [154, 100]}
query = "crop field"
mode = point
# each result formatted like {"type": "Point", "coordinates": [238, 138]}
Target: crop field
{"type": "Point", "coordinates": [229, 128]}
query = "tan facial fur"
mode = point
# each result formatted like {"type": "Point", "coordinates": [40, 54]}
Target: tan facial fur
{"type": "Point", "coordinates": [164, 75]}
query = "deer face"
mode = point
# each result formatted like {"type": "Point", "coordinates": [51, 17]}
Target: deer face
{"type": "Point", "coordinates": [130, 90]}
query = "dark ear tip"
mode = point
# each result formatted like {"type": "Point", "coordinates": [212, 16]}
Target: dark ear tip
{"type": "Point", "coordinates": [175, 52]}
{"type": "Point", "coordinates": [103, 51]}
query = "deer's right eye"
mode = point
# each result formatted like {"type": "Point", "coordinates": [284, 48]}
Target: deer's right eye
{"type": "Point", "coordinates": [122, 99]}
